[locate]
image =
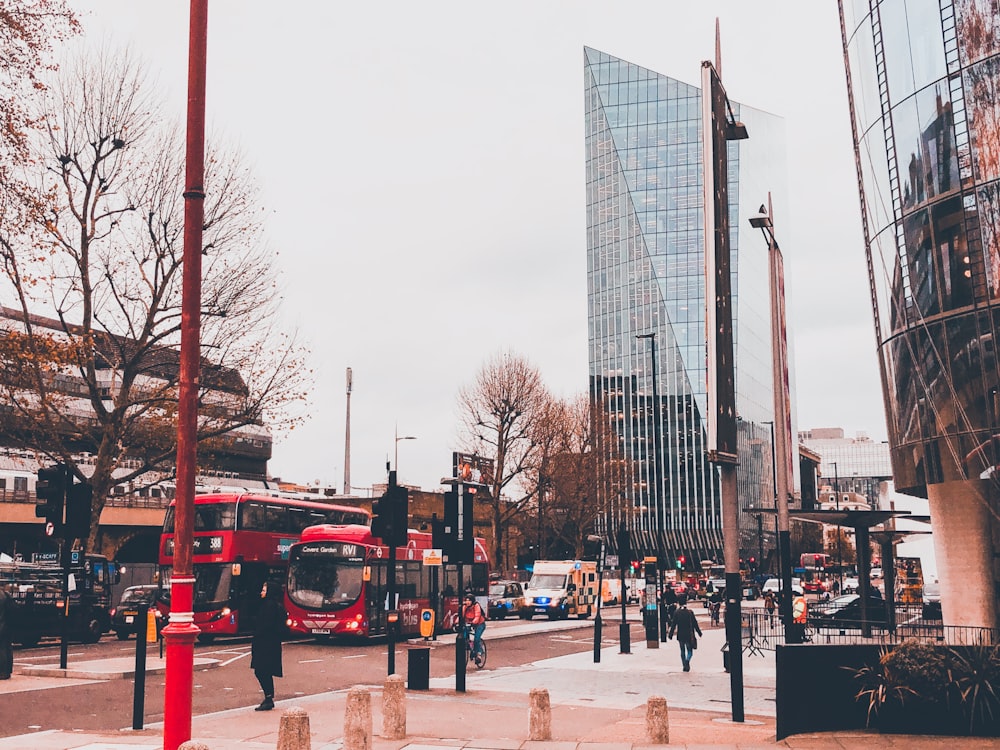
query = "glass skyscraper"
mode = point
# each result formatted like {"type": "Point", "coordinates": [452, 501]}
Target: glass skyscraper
{"type": "Point", "coordinates": [646, 305]}
{"type": "Point", "coordinates": [923, 80]}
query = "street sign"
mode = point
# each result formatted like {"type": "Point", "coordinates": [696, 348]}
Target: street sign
{"type": "Point", "coordinates": [432, 557]}
{"type": "Point", "coordinates": [649, 560]}
{"type": "Point", "coordinates": [610, 561]}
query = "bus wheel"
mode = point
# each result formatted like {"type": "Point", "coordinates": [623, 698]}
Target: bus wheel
{"type": "Point", "coordinates": [206, 638]}
{"type": "Point", "coordinates": [122, 635]}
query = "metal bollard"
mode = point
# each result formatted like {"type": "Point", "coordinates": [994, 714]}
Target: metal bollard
{"type": "Point", "coordinates": [539, 715]}
{"type": "Point", "coordinates": [393, 708]}
{"type": "Point", "coordinates": [657, 720]}
{"type": "Point", "coordinates": [358, 719]}
{"type": "Point", "coordinates": [293, 732]}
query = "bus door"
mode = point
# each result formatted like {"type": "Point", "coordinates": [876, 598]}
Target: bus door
{"type": "Point", "coordinates": [376, 589]}
{"type": "Point", "coordinates": [247, 581]}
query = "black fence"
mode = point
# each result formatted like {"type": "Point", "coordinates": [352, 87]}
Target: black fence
{"type": "Point", "coordinates": [764, 632]}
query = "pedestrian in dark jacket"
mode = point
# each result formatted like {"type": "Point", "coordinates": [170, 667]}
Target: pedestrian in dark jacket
{"type": "Point", "coordinates": [265, 653]}
{"type": "Point", "coordinates": [686, 625]}
{"type": "Point", "coordinates": [6, 650]}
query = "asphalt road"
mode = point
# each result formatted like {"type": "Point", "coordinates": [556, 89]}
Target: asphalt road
{"type": "Point", "coordinates": [309, 667]}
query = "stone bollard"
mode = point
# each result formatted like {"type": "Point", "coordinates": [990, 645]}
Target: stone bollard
{"type": "Point", "coordinates": [358, 719]}
{"type": "Point", "coordinates": [192, 745]}
{"type": "Point", "coordinates": [540, 715]}
{"type": "Point", "coordinates": [393, 708]}
{"type": "Point", "coordinates": [657, 720]}
{"type": "Point", "coordinates": [293, 732]}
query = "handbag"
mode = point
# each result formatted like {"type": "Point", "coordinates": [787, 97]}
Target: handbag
{"type": "Point", "coordinates": [694, 642]}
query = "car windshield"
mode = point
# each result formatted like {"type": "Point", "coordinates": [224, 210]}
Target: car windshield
{"type": "Point", "coordinates": [835, 605]}
{"type": "Point", "coordinates": [137, 595]}
{"type": "Point", "coordinates": [496, 589]}
{"type": "Point", "coordinates": [548, 581]}
{"type": "Point", "coordinates": [932, 590]}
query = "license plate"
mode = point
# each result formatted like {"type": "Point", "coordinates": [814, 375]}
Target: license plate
{"type": "Point", "coordinates": [129, 619]}
{"type": "Point", "coordinates": [539, 610]}
{"type": "Point", "coordinates": [320, 631]}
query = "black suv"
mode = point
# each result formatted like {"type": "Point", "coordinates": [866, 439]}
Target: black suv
{"type": "Point", "coordinates": [125, 617]}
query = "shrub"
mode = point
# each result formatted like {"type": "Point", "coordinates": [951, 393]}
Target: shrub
{"type": "Point", "coordinates": [975, 678]}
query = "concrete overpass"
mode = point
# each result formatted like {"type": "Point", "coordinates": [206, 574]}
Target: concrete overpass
{"type": "Point", "coordinates": [130, 527]}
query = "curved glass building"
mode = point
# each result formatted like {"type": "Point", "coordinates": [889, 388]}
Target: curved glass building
{"type": "Point", "coordinates": [923, 79]}
{"type": "Point", "coordinates": [646, 305]}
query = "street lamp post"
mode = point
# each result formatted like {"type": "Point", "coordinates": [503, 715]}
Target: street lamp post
{"type": "Point", "coordinates": [598, 624]}
{"type": "Point", "coordinates": [395, 458]}
{"type": "Point", "coordinates": [781, 424]}
{"type": "Point", "coordinates": [840, 542]}
{"type": "Point", "coordinates": [651, 615]}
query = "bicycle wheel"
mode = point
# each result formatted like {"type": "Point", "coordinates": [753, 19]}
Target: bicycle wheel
{"type": "Point", "coordinates": [480, 659]}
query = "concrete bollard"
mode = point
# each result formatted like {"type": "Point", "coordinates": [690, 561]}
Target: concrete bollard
{"type": "Point", "coordinates": [539, 715]}
{"type": "Point", "coordinates": [358, 719]}
{"type": "Point", "coordinates": [657, 720]}
{"type": "Point", "coordinates": [293, 732]}
{"type": "Point", "coordinates": [393, 708]}
{"type": "Point", "coordinates": [192, 745]}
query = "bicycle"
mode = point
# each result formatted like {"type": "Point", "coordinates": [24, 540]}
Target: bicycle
{"type": "Point", "coordinates": [470, 641]}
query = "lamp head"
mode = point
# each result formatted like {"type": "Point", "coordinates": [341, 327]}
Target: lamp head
{"type": "Point", "coordinates": [761, 220]}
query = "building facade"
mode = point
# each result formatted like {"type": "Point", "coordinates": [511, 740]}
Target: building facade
{"type": "Point", "coordinates": [922, 80]}
{"type": "Point", "coordinates": [646, 308]}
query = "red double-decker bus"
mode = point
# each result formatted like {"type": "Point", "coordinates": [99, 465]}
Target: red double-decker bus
{"type": "Point", "coordinates": [242, 540]}
{"type": "Point", "coordinates": [338, 583]}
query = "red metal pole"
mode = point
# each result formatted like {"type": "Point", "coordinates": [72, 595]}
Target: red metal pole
{"type": "Point", "coordinates": [180, 634]}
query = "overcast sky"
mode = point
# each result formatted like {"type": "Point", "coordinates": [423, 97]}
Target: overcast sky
{"type": "Point", "coordinates": [423, 164]}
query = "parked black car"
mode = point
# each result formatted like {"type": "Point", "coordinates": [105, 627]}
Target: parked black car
{"type": "Point", "coordinates": [845, 612]}
{"type": "Point", "coordinates": [506, 598]}
{"type": "Point", "coordinates": [125, 619]}
{"type": "Point", "coordinates": [931, 609]}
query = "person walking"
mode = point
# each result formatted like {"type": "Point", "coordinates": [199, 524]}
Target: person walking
{"type": "Point", "coordinates": [265, 651]}
{"type": "Point", "coordinates": [769, 605]}
{"type": "Point", "coordinates": [6, 650]}
{"type": "Point", "coordinates": [686, 625]}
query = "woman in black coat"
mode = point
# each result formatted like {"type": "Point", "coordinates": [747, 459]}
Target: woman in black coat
{"type": "Point", "coordinates": [265, 653]}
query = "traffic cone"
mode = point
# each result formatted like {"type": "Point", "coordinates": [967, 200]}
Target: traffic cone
{"type": "Point", "coordinates": [150, 627]}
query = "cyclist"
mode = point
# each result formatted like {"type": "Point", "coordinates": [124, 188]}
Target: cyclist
{"type": "Point", "coordinates": [474, 619]}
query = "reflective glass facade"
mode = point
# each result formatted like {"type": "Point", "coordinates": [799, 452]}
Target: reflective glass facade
{"type": "Point", "coordinates": [646, 275]}
{"type": "Point", "coordinates": [924, 78]}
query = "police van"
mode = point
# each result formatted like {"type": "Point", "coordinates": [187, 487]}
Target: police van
{"type": "Point", "coordinates": [560, 588]}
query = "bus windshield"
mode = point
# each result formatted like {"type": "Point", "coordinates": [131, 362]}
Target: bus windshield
{"type": "Point", "coordinates": [324, 582]}
{"type": "Point", "coordinates": [207, 517]}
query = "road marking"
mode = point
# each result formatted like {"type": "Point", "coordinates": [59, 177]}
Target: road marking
{"type": "Point", "coordinates": [311, 661]}
{"type": "Point", "coordinates": [235, 658]}
{"type": "Point", "coordinates": [356, 656]}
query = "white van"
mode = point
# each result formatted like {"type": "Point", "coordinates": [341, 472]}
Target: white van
{"type": "Point", "coordinates": [560, 588]}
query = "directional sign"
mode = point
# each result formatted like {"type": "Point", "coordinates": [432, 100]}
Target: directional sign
{"type": "Point", "coordinates": [611, 561]}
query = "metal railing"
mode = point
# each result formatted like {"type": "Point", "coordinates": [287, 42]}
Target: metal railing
{"type": "Point", "coordinates": [763, 632]}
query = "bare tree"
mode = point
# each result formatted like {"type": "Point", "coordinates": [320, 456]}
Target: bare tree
{"type": "Point", "coordinates": [499, 414]}
{"type": "Point", "coordinates": [102, 255]}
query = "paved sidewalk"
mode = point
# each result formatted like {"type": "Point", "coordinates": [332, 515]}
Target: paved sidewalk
{"type": "Point", "coordinates": [594, 707]}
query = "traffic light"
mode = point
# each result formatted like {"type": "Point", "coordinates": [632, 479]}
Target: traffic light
{"type": "Point", "coordinates": [399, 511]}
{"type": "Point", "coordinates": [390, 514]}
{"type": "Point", "coordinates": [681, 560]}
{"type": "Point", "coordinates": [50, 495]}
{"type": "Point", "coordinates": [78, 506]}
{"type": "Point", "coordinates": [624, 546]}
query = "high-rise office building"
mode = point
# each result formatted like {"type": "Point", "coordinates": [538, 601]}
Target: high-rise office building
{"type": "Point", "coordinates": [922, 79]}
{"type": "Point", "coordinates": [646, 304]}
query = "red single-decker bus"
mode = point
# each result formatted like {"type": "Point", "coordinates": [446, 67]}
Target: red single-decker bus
{"type": "Point", "coordinates": [338, 583]}
{"type": "Point", "coordinates": [241, 541]}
